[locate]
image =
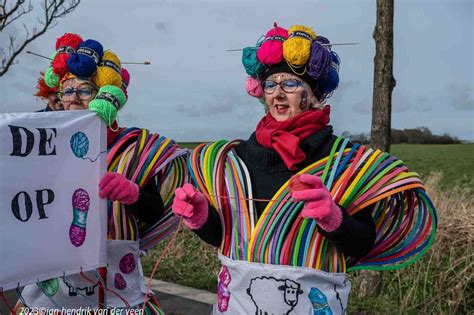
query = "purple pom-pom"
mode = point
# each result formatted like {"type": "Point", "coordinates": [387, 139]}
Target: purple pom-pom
{"type": "Point", "coordinates": [319, 60]}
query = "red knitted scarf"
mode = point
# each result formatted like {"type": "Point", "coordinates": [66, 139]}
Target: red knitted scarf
{"type": "Point", "coordinates": [285, 136]}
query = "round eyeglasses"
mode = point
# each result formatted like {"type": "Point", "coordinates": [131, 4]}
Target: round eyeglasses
{"type": "Point", "coordinates": [84, 93]}
{"type": "Point", "coordinates": [288, 86]}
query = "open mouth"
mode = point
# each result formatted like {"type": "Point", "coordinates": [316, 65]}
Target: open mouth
{"type": "Point", "coordinates": [281, 108]}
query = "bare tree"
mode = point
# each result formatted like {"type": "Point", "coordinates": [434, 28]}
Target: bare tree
{"type": "Point", "coordinates": [12, 11]}
{"type": "Point", "coordinates": [370, 282]}
{"type": "Point", "coordinates": [384, 81]}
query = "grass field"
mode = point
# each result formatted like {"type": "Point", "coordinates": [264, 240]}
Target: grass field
{"type": "Point", "coordinates": [441, 283]}
{"type": "Point", "coordinates": [454, 161]}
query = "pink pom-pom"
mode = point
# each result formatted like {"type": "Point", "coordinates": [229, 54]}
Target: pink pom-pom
{"type": "Point", "coordinates": [125, 92]}
{"type": "Point", "coordinates": [271, 50]}
{"type": "Point", "coordinates": [254, 87]}
{"type": "Point", "coordinates": [125, 78]}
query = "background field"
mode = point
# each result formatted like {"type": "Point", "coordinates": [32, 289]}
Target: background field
{"type": "Point", "coordinates": [441, 283]}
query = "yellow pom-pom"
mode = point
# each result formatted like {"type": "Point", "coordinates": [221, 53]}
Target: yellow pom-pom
{"type": "Point", "coordinates": [109, 71]}
{"type": "Point", "coordinates": [297, 48]}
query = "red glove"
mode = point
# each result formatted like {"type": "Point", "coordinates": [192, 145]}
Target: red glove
{"type": "Point", "coordinates": [318, 201]}
{"type": "Point", "coordinates": [115, 187]}
{"type": "Point", "coordinates": [192, 205]}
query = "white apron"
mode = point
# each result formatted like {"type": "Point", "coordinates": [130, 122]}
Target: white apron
{"type": "Point", "coordinates": [124, 277]}
{"type": "Point", "coordinates": [256, 288]}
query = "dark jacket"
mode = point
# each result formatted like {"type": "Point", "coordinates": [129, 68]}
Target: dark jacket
{"type": "Point", "coordinates": [46, 109]}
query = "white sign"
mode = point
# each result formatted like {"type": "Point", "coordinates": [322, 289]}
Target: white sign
{"type": "Point", "coordinates": [52, 221]}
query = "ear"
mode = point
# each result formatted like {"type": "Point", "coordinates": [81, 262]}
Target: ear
{"type": "Point", "coordinates": [313, 100]}
{"type": "Point", "coordinates": [282, 288]}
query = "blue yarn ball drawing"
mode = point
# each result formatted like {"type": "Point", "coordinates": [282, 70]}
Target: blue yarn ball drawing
{"type": "Point", "coordinates": [79, 144]}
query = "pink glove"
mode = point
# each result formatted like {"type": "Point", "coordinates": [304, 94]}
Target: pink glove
{"type": "Point", "coordinates": [192, 205]}
{"type": "Point", "coordinates": [115, 187]}
{"type": "Point", "coordinates": [318, 201]}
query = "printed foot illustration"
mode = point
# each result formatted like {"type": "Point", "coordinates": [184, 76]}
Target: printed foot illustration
{"type": "Point", "coordinates": [223, 293]}
{"type": "Point", "coordinates": [80, 205]}
{"type": "Point", "coordinates": [49, 287]}
{"type": "Point", "coordinates": [119, 281]}
{"type": "Point", "coordinates": [127, 263]}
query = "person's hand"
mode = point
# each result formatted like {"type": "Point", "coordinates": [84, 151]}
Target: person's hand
{"type": "Point", "coordinates": [191, 205]}
{"type": "Point", "coordinates": [318, 203]}
{"type": "Point", "coordinates": [115, 187]}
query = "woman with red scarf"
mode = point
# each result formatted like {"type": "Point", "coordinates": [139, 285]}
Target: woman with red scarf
{"type": "Point", "coordinates": [270, 202]}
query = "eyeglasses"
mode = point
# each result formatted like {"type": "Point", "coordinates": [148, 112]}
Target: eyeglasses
{"type": "Point", "coordinates": [84, 93]}
{"type": "Point", "coordinates": [288, 86]}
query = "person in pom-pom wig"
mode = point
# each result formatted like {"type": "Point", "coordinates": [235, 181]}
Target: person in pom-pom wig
{"type": "Point", "coordinates": [88, 78]}
{"type": "Point", "coordinates": [295, 207]}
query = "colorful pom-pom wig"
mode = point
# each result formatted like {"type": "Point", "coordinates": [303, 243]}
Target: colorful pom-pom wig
{"type": "Point", "coordinates": [299, 51]}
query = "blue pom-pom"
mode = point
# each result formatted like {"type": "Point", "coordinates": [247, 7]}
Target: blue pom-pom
{"type": "Point", "coordinates": [83, 63]}
{"type": "Point", "coordinates": [79, 144]}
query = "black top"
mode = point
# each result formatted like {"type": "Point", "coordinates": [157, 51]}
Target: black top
{"type": "Point", "coordinates": [148, 209]}
{"type": "Point", "coordinates": [356, 234]}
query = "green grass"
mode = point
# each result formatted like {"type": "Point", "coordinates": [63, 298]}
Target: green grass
{"type": "Point", "coordinates": [454, 161]}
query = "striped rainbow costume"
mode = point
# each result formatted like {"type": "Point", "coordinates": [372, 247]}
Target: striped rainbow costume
{"type": "Point", "coordinates": [280, 262]}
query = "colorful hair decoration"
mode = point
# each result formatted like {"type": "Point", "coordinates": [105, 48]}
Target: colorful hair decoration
{"type": "Point", "coordinates": [299, 51]}
{"type": "Point", "coordinates": [83, 63]}
{"type": "Point", "coordinates": [107, 103]}
{"type": "Point", "coordinates": [254, 87]}
{"type": "Point", "coordinates": [297, 48]}
{"type": "Point", "coordinates": [271, 50]}
{"type": "Point", "coordinates": [66, 45]}
{"type": "Point", "coordinates": [109, 71]}
{"type": "Point", "coordinates": [125, 81]}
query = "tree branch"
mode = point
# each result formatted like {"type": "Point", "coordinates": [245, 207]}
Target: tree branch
{"type": "Point", "coordinates": [15, 12]}
{"type": "Point", "coordinates": [53, 10]}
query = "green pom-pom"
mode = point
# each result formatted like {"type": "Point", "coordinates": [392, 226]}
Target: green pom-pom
{"type": "Point", "coordinates": [107, 102]}
{"type": "Point", "coordinates": [105, 110]}
{"type": "Point", "coordinates": [50, 78]}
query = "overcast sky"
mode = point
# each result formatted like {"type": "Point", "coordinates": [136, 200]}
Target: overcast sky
{"type": "Point", "coordinates": [194, 90]}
